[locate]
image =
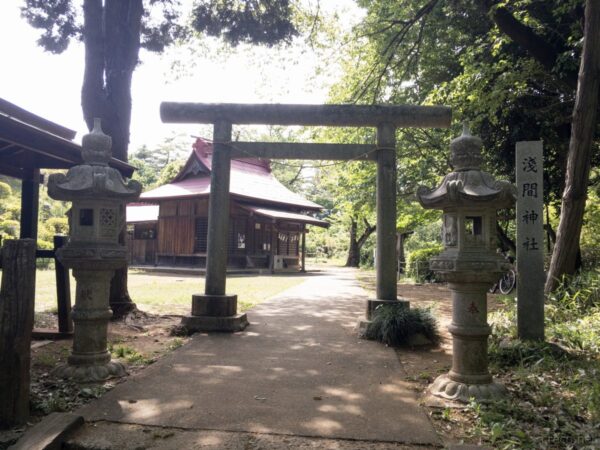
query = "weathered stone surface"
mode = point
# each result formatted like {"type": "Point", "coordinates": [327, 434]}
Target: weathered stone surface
{"type": "Point", "coordinates": [214, 305]}
{"type": "Point", "coordinates": [194, 324]}
{"type": "Point", "coordinates": [469, 263]}
{"type": "Point", "coordinates": [319, 115]}
{"type": "Point", "coordinates": [372, 305]}
{"type": "Point", "coordinates": [447, 388]}
{"type": "Point", "coordinates": [99, 195]}
{"type": "Point", "coordinates": [530, 240]}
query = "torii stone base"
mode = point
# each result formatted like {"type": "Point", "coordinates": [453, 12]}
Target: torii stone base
{"type": "Point", "coordinates": [214, 313]}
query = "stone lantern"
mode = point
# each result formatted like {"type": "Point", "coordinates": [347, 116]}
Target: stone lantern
{"type": "Point", "coordinates": [469, 264]}
{"type": "Point", "coordinates": [98, 194]}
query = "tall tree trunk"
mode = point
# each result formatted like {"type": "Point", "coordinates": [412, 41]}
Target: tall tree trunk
{"type": "Point", "coordinates": [353, 259]}
{"type": "Point", "coordinates": [400, 239]}
{"type": "Point", "coordinates": [356, 243]}
{"type": "Point", "coordinates": [583, 127]}
{"type": "Point", "coordinates": [112, 44]}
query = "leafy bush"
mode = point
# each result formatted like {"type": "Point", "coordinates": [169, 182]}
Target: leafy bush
{"type": "Point", "coordinates": [394, 325]}
{"type": "Point", "coordinates": [425, 236]}
{"type": "Point", "coordinates": [417, 264]}
{"type": "Point", "coordinates": [5, 190]}
{"type": "Point", "coordinates": [58, 225]}
{"type": "Point", "coordinates": [9, 228]}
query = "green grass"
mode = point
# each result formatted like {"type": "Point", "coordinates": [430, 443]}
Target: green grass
{"type": "Point", "coordinates": [172, 294]}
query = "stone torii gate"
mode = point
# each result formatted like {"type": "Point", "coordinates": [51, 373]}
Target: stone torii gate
{"type": "Point", "coordinates": [217, 311]}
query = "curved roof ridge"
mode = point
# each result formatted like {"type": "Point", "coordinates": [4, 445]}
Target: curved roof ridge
{"type": "Point", "coordinates": [250, 178]}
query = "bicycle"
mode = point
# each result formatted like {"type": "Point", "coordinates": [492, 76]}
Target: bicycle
{"type": "Point", "coordinates": [507, 282]}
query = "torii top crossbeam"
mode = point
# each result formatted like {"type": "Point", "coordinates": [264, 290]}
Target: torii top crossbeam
{"type": "Point", "coordinates": [315, 115]}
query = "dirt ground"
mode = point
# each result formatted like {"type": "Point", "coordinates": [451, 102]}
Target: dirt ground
{"type": "Point", "coordinates": [143, 338]}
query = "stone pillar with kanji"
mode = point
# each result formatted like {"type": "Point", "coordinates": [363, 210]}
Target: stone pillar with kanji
{"type": "Point", "coordinates": [98, 194]}
{"type": "Point", "coordinates": [469, 199]}
{"type": "Point", "coordinates": [530, 240]}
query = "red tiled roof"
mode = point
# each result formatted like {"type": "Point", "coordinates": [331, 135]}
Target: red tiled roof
{"type": "Point", "coordinates": [250, 179]}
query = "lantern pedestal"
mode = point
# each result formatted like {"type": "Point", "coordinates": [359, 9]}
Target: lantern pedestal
{"type": "Point", "coordinates": [469, 376]}
{"type": "Point", "coordinates": [90, 359]}
{"type": "Point", "coordinates": [214, 313]}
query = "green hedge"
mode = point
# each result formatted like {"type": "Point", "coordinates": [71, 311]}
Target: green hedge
{"type": "Point", "coordinates": [417, 264]}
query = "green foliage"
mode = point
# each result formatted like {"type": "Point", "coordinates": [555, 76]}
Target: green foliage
{"type": "Point", "coordinates": [417, 263]}
{"type": "Point", "coordinates": [5, 190]}
{"type": "Point", "coordinates": [58, 225]}
{"type": "Point", "coordinates": [169, 172]}
{"type": "Point", "coordinates": [426, 235]}
{"type": "Point", "coordinates": [395, 325]}
{"type": "Point", "coordinates": [9, 228]}
{"type": "Point", "coordinates": [590, 250]}
{"type": "Point", "coordinates": [454, 53]}
{"type": "Point", "coordinates": [129, 354]}
{"type": "Point", "coordinates": [161, 164]}
{"type": "Point", "coordinates": [60, 22]}
{"type": "Point", "coordinates": [555, 392]}
{"type": "Point", "coordinates": [260, 21]}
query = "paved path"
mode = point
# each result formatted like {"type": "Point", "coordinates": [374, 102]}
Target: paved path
{"type": "Point", "coordinates": [298, 370]}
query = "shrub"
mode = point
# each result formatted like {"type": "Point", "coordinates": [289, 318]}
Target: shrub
{"type": "Point", "coordinates": [418, 263]}
{"type": "Point", "coordinates": [394, 325]}
{"type": "Point", "coordinates": [5, 190]}
{"type": "Point", "coordinates": [58, 225]}
{"type": "Point", "coordinates": [9, 228]}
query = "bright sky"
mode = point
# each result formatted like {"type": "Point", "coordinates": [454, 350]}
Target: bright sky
{"type": "Point", "coordinates": [49, 85]}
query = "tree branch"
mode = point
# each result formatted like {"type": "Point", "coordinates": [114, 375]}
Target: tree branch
{"type": "Point", "coordinates": [526, 37]}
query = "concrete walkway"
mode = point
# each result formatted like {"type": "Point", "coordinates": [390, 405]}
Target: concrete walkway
{"type": "Point", "coordinates": [298, 370]}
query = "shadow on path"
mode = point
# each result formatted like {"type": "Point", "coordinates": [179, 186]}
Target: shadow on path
{"type": "Point", "coordinates": [299, 369]}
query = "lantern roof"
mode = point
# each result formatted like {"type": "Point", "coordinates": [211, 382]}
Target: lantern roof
{"type": "Point", "coordinates": [468, 185]}
{"type": "Point", "coordinates": [93, 179]}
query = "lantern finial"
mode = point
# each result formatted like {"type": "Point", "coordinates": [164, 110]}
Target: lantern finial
{"type": "Point", "coordinates": [466, 150]}
{"type": "Point", "coordinates": [96, 146]}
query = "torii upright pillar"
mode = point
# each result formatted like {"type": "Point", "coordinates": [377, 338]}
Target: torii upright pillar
{"type": "Point", "coordinates": [386, 260]}
{"type": "Point", "coordinates": [215, 310]}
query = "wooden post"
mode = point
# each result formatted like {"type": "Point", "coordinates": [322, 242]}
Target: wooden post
{"type": "Point", "coordinates": [218, 211]}
{"type": "Point", "coordinates": [303, 248]}
{"type": "Point", "coordinates": [386, 212]}
{"type": "Point", "coordinates": [63, 290]}
{"type": "Point", "coordinates": [16, 323]}
{"type": "Point", "coordinates": [274, 244]}
{"type": "Point", "coordinates": [30, 195]}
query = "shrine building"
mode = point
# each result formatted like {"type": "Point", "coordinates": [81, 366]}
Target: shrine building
{"type": "Point", "coordinates": [267, 221]}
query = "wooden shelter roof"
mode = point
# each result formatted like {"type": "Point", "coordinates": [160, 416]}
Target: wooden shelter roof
{"type": "Point", "coordinates": [28, 141]}
{"type": "Point", "coordinates": [251, 181]}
